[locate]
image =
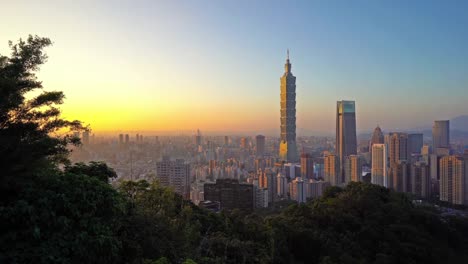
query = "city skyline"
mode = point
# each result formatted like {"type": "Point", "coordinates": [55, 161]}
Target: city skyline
{"type": "Point", "coordinates": [167, 131]}
{"type": "Point", "coordinates": [131, 73]}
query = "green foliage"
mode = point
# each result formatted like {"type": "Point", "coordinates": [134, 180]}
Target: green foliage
{"type": "Point", "coordinates": [62, 218]}
{"type": "Point", "coordinates": [99, 170]}
{"type": "Point", "coordinates": [364, 223]}
{"type": "Point", "coordinates": [26, 125]}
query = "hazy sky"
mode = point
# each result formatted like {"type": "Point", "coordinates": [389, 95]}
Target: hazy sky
{"type": "Point", "coordinates": [215, 65]}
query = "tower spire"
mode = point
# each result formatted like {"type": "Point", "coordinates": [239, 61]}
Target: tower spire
{"type": "Point", "coordinates": [287, 66]}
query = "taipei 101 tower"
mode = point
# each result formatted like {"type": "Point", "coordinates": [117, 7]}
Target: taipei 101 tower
{"type": "Point", "coordinates": [288, 148]}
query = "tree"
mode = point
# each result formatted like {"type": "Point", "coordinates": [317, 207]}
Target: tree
{"type": "Point", "coordinates": [48, 215]}
{"type": "Point", "coordinates": [100, 170]}
{"type": "Point", "coordinates": [29, 127]}
{"type": "Point", "coordinates": [62, 218]}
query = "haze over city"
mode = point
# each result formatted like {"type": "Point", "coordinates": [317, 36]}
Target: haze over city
{"type": "Point", "coordinates": [177, 66]}
{"type": "Point", "coordinates": [233, 132]}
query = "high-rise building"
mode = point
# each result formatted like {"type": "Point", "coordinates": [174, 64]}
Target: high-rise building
{"type": "Point", "coordinates": [307, 166]}
{"type": "Point", "coordinates": [316, 188]}
{"type": "Point", "coordinates": [379, 165]}
{"type": "Point", "coordinates": [398, 147]}
{"type": "Point", "coordinates": [121, 139]}
{"type": "Point", "coordinates": [230, 194]}
{"type": "Point", "coordinates": [331, 170]}
{"type": "Point", "coordinates": [226, 140]}
{"type": "Point", "coordinates": [346, 139]}
{"type": "Point", "coordinates": [415, 143]}
{"type": "Point", "coordinates": [268, 180]}
{"type": "Point", "coordinates": [282, 185]}
{"type": "Point", "coordinates": [441, 134]}
{"type": "Point", "coordinates": [127, 139]}
{"type": "Point", "coordinates": [288, 147]}
{"type": "Point", "coordinates": [174, 174]}
{"type": "Point", "coordinates": [377, 137]}
{"type": "Point", "coordinates": [453, 186]}
{"type": "Point", "coordinates": [353, 168]}
{"type": "Point", "coordinates": [425, 153]}
{"type": "Point", "coordinates": [421, 184]}
{"type": "Point", "coordinates": [198, 138]}
{"type": "Point", "coordinates": [399, 177]}
{"type": "Point", "coordinates": [260, 142]}
{"type": "Point", "coordinates": [434, 161]}
{"type": "Point", "coordinates": [298, 190]}
{"type": "Point", "coordinates": [243, 143]}
{"type": "Point", "coordinates": [260, 164]}
{"type": "Point", "coordinates": [261, 197]}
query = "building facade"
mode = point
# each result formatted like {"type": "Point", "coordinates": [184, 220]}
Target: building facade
{"type": "Point", "coordinates": [260, 145]}
{"type": "Point", "coordinates": [174, 174]}
{"type": "Point", "coordinates": [346, 139]}
{"type": "Point", "coordinates": [307, 166]}
{"type": "Point", "coordinates": [353, 168]}
{"type": "Point", "coordinates": [230, 194]}
{"type": "Point", "coordinates": [441, 134]}
{"type": "Point", "coordinates": [398, 148]}
{"type": "Point", "coordinates": [288, 147]}
{"type": "Point", "coordinates": [379, 165]}
{"type": "Point", "coordinates": [421, 184]}
{"type": "Point", "coordinates": [453, 185]}
{"type": "Point", "coordinates": [332, 170]}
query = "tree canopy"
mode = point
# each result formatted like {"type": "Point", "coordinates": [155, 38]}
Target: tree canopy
{"type": "Point", "coordinates": [29, 127]}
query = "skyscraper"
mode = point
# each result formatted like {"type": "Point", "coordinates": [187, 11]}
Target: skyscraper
{"type": "Point", "coordinates": [453, 186]}
{"type": "Point", "coordinates": [346, 140]}
{"type": "Point", "coordinates": [298, 190]}
{"type": "Point", "coordinates": [398, 148]}
{"type": "Point", "coordinates": [415, 143]}
{"type": "Point", "coordinates": [421, 180]}
{"type": "Point", "coordinates": [399, 177]}
{"type": "Point", "coordinates": [307, 166]}
{"type": "Point", "coordinates": [268, 180]}
{"type": "Point", "coordinates": [331, 171]}
{"type": "Point", "coordinates": [174, 174]}
{"type": "Point", "coordinates": [260, 142]}
{"type": "Point", "coordinates": [441, 134]}
{"type": "Point", "coordinates": [353, 168]}
{"type": "Point", "coordinates": [198, 138]}
{"type": "Point", "coordinates": [377, 137]}
{"type": "Point", "coordinates": [288, 148]}
{"type": "Point", "coordinates": [379, 165]}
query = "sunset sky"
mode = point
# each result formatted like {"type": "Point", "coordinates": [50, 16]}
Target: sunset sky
{"type": "Point", "coordinates": [215, 65]}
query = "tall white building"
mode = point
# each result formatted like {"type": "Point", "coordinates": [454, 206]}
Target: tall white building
{"type": "Point", "coordinates": [379, 165]}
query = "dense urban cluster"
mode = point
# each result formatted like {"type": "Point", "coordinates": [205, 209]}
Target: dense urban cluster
{"type": "Point", "coordinates": [256, 172]}
{"type": "Point", "coordinates": [250, 204]}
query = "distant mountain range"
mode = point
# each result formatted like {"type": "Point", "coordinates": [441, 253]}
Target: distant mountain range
{"type": "Point", "coordinates": [459, 123]}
